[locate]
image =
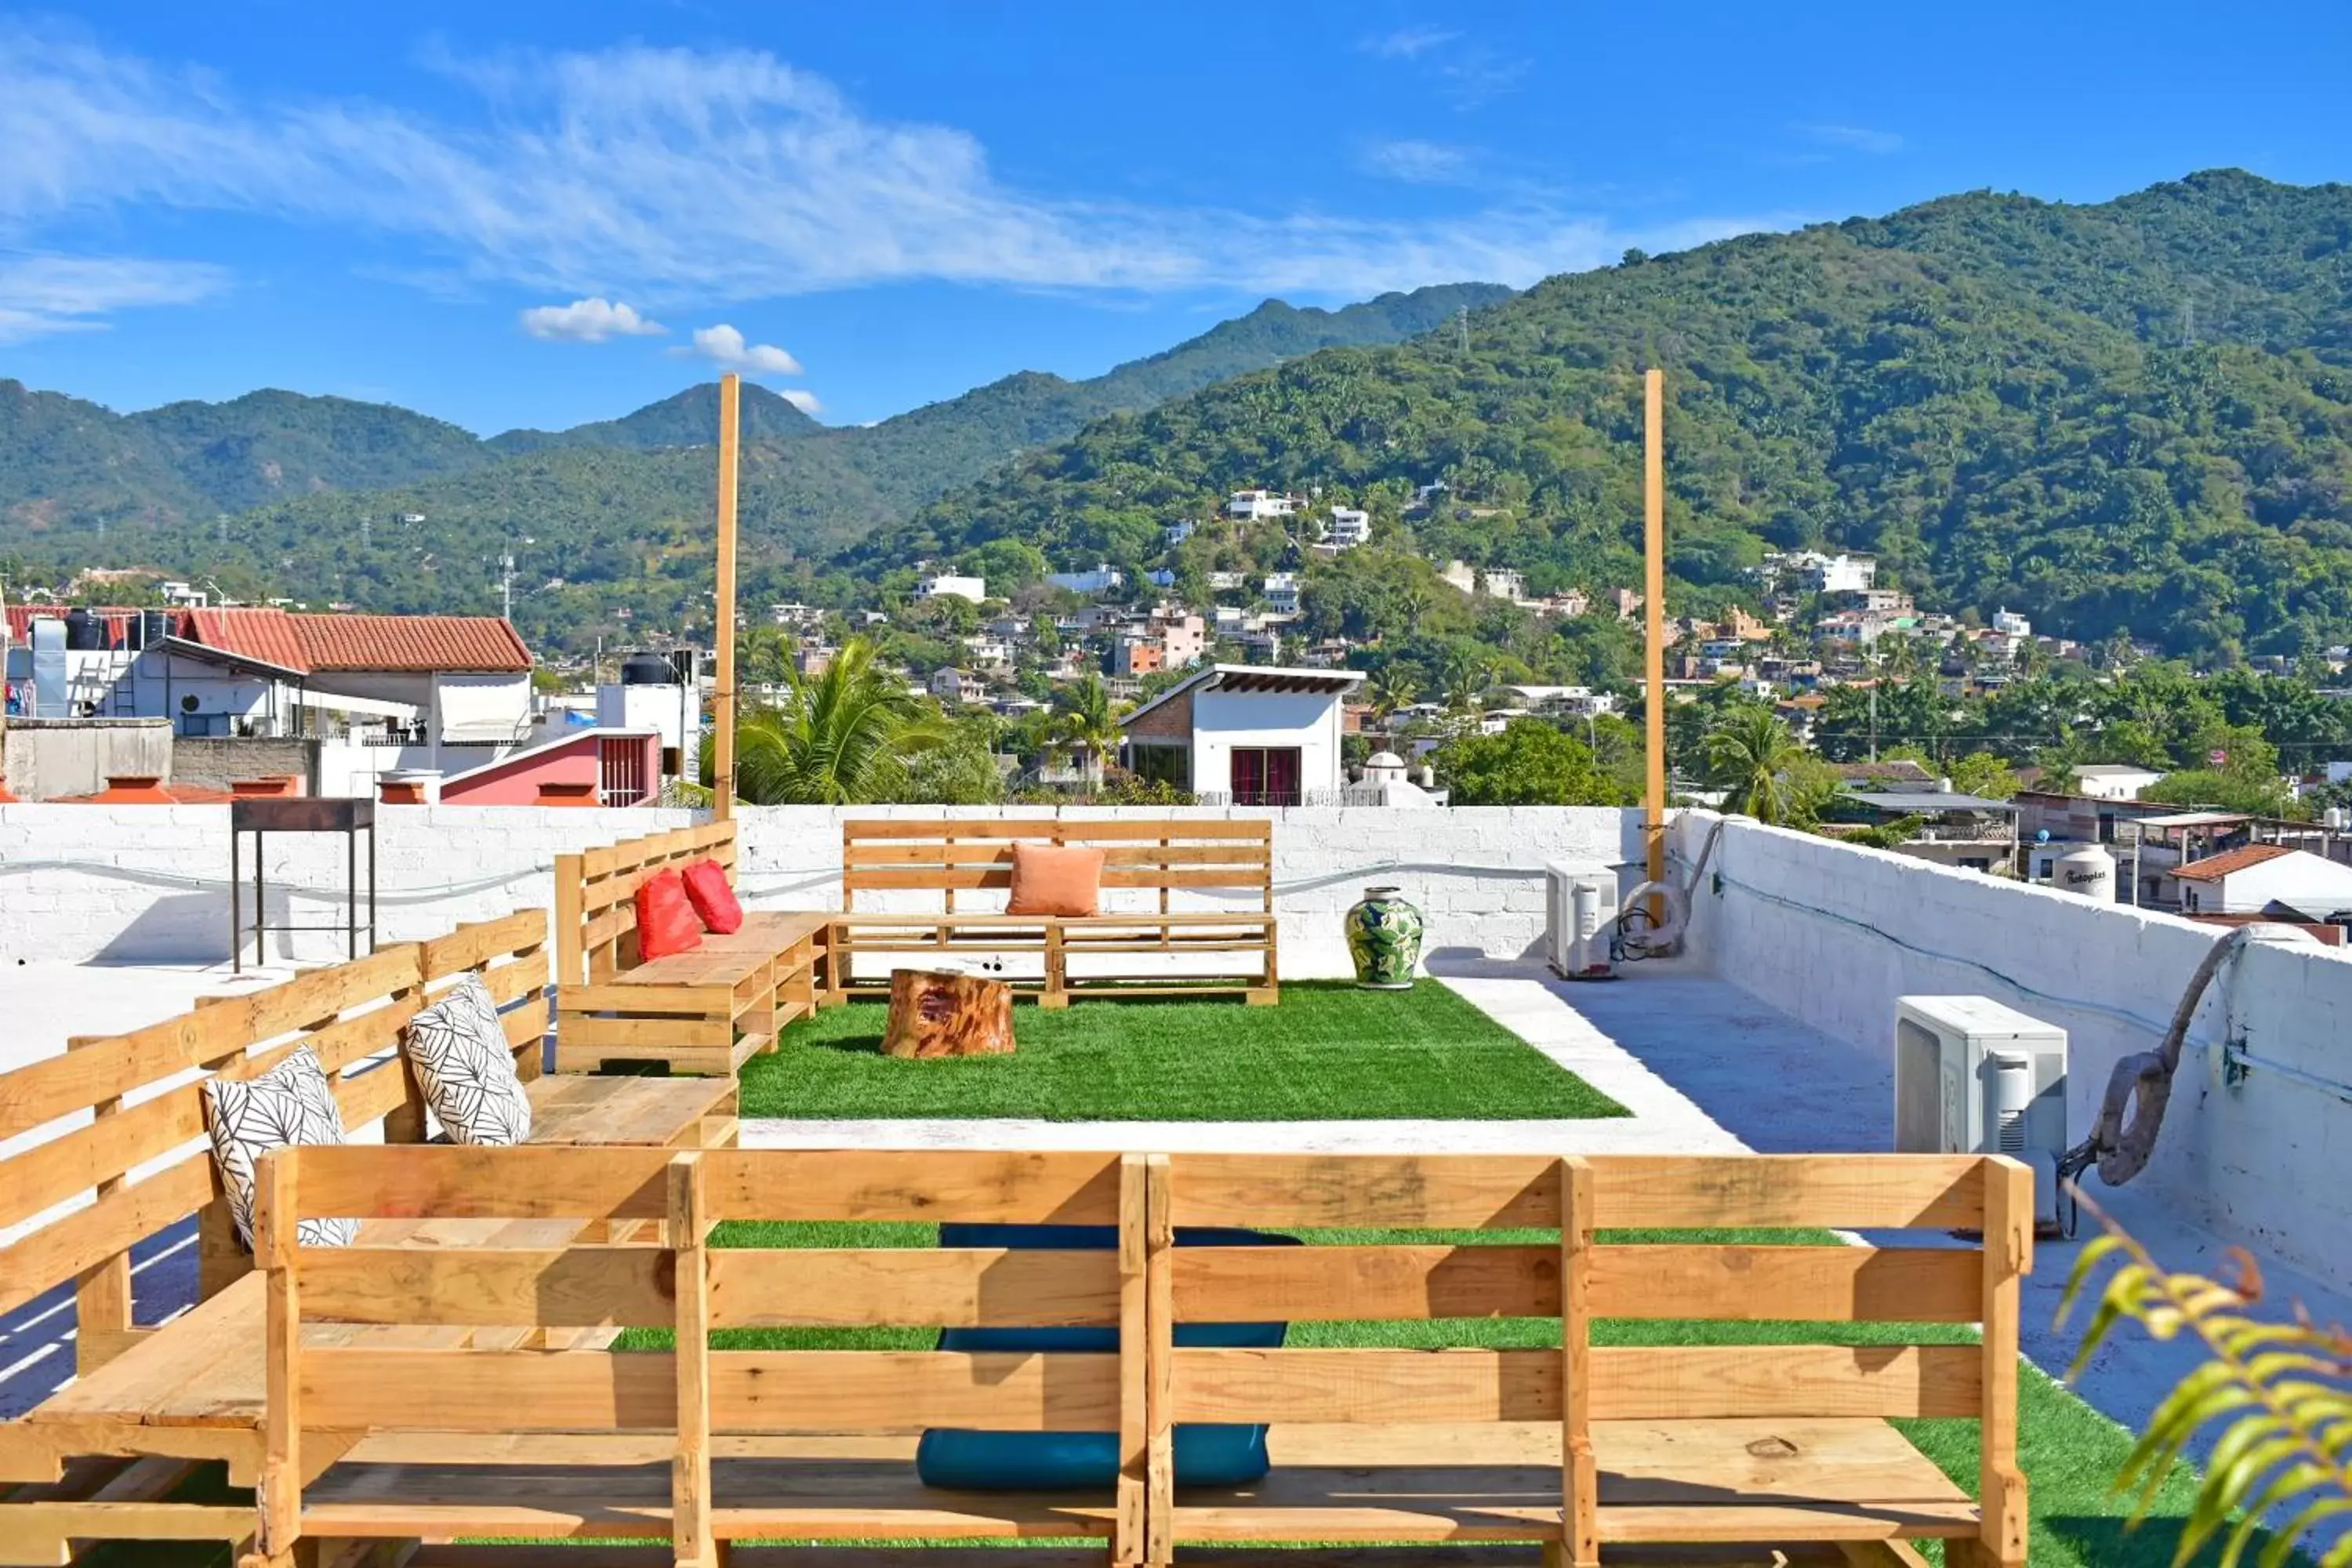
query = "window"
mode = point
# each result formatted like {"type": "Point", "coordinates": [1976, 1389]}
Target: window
{"type": "Point", "coordinates": [1265, 775]}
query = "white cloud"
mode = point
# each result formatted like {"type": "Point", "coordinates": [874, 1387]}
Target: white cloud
{"type": "Point", "coordinates": [590, 320]}
{"type": "Point", "coordinates": [1417, 163]}
{"type": "Point", "coordinates": [723, 346]}
{"type": "Point", "coordinates": [1858, 138]}
{"type": "Point", "coordinates": [1407, 43]}
{"type": "Point", "coordinates": [679, 178]}
{"type": "Point", "coordinates": [42, 294]}
{"type": "Point", "coordinates": [801, 398]}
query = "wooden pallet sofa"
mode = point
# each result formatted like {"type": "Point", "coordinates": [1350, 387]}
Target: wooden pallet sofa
{"type": "Point", "coordinates": [1148, 866]}
{"type": "Point", "coordinates": [701, 1445]}
{"type": "Point", "coordinates": [95, 1461]}
{"type": "Point", "coordinates": [1780, 1452]}
{"type": "Point", "coordinates": [708, 1011]}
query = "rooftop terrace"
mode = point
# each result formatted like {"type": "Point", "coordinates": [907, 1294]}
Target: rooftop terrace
{"type": "Point", "coordinates": [1771, 1031]}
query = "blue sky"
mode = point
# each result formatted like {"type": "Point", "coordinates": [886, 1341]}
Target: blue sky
{"type": "Point", "coordinates": [547, 213]}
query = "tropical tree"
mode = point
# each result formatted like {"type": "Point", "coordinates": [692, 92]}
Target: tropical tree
{"type": "Point", "coordinates": [1750, 755]}
{"type": "Point", "coordinates": [1529, 763]}
{"type": "Point", "coordinates": [1086, 722]}
{"type": "Point", "coordinates": [1390, 689]}
{"type": "Point", "coordinates": [843, 737]}
{"type": "Point", "coordinates": [1464, 676]}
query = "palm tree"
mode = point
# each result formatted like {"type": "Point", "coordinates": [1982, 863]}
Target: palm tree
{"type": "Point", "coordinates": [1464, 676]}
{"type": "Point", "coordinates": [842, 738]}
{"type": "Point", "coordinates": [1393, 687]}
{"type": "Point", "coordinates": [1748, 754]}
{"type": "Point", "coordinates": [1088, 724]}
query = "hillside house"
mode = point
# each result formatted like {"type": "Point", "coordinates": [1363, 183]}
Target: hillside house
{"type": "Point", "coordinates": [2266, 880]}
{"type": "Point", "coordinates": [1245, 735]}
{"type": "Point", "coordinates": [1260, 506]}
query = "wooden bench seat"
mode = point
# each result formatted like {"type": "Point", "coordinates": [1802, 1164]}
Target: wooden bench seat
{"type": "Point", "coordinates": [1147, 867]}
{"type": "Point", "coordinates": [705, 1011]}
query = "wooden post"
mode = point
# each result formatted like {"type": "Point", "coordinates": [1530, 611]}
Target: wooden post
{"type": "Point", "coordinates": [1129, 1537]}
{"type": "Point", "coordinates": [102, 1291]}
{"type": "Point", "coordinates": [1653, 606]}
{"type": "Point", "coordinates": [1580, 1475]}
{"type": "Point", "coordinates": [2008, 1256]}
{"type": "Point", "coordinates": [722, 697]}
{"type": "Point", "coordinates": [276, 1217]}
{"type": "Point", "coordinates": [690, 1474]}
{"type": "Point", "coordinates": [1159, 1363]}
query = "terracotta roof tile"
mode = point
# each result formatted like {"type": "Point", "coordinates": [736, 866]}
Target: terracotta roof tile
{"type": "Point", "coordinates": [315, 643]}
{"type": "Point", "coordinates": [2213, 867]}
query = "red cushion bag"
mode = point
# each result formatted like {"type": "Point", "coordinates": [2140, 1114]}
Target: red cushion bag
{"type": "Point", "coordinates": [713, 900]}
{"type": "Point", "coordinates": [666, 923]}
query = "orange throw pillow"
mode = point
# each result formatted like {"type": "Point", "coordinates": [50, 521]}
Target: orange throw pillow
{"type": "Point", "coordinates": [666, 923]}
{"type": "Point", "coordinates": [1056, 880]}
{"type": "Point", "coordinates": [713, 901]}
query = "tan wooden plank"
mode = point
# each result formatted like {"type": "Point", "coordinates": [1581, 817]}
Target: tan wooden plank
{"type": "Point", "coordinates": [1131, 1539]}
{"type": "Point", "coordinates": [480, 942]}
{"type": "Point", "coordinates": [1580, 1477]}
{"type": "Point", "coordinates": [1160, 1363]}
{"type": "Point", "coordinates": [949, 1287]}
{"type": "Point", "coordinates": [1754, 1284]}
{"type": "Point", "coordinates": [971, 877]}
{"type": "Point", "coordinates": [58, 1086]}
{"type": "Point", "coordinates": [324, 992]}
{"type": "Point", "coordinates": [646, 1036]}
{"type": "Point", "coordinates": [277, 1205]}
{"type": "Point", "coordinates": [933, 1184]}
{"type": "Point", "coordinates": [1236, 856]}
{"type": "Point", "coordinates": [1299, 1284]}
{"type": "Point", "coordinates": [492, 1391]}
{"type": "Point", "coordinates": [1632, 1191]}
{"type": "Point", "coordinates": [1673, 1524]}
{"type": "Point", "coordinates": [572, 1287]}
{"type": "Point", "coordinates": [616, 997]}
{"type": "Point", "coordinates": [2008, 1255]}
{"type": "Point", "coordinates": [694, 1540]}
{"type": "Point", "coordinates": [1066, 830]}
{"type": "Point", "coordinates": [75, 1161]}
{"type": "Point", "coordinates": [1400, 1387]}
{"type": "Point", "coordinates": [571, 921]}
{"type": "Point", "coordinates": [458, 1181]}
{"type": "Point", "coordinates": [58, 1251]}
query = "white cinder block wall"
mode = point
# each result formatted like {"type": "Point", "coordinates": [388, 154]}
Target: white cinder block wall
{"type": "Point", "coordinates": [1833, 934]}
{"type": "Point", "coordinates": [150, 884]}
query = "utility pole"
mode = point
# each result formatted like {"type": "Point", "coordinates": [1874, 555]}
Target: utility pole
{"type": "Point", "coordinates": [506, 585]}
{"type": "Point", "coordinates": [722, 746]}
{"type": "Point", "coordinates": [1873, 719]}
{"type": "Point", "coordinates": [1654, 655]}
{"type": "Point", "coordinates": [1462, 319]}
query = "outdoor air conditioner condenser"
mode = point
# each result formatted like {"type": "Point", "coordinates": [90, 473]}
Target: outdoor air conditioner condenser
{"type": "Point", "coordinates": [1580, 907]}
{"type": "Point", "coordinates": [1973, 1077]}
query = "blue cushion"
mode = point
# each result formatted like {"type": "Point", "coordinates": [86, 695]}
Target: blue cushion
{"type": "Point", "coordinates": [1206, 1455]}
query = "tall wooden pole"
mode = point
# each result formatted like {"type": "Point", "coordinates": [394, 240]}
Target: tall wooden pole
{"type": "Point", "coordinates": [1654, 605]}
{"type": "Point", "coordinates": [722, 768]}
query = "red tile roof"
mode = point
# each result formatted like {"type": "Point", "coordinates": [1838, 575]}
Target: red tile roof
{"type": "Point", "coordinates": [407, 643]}
{"type": "Point", "coordinates": [2213, 867]}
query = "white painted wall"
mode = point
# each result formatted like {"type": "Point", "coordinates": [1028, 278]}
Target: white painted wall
{"type": "Point", "coordinates": [1222, 720]}
{"type": "Point", "coordinates": [144, 884]}
{"type": "Point", "coordinates": [1833, 934]}
{"type": "Point", "coordinates": [2299, 879]}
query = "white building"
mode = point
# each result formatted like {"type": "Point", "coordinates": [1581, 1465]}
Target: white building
{"type": "Point", "coordinates": [1351, 526]}
{"type": "Point", "coordinates": [1178, 533]}
{"type": "Point", "coordinates": [1281, 590]}
{"type": "Point", "coordinates": [1227, 582]}
{"type": "Point", "coordinates": [1101, 580]}
{"type": "Point", "coordinates": [2011, 624]}
{"type": "Point", "coordinates": [1840, 573]}
{"type": "Point", "coordinates": [2112, 781]}
{"type": "Point", "coordinates": [1259, 506]}
{"type": "Point", "coordinates": [956, 686]}
{"type": "Point", "coordinates": [1502, 582]}
{"type": "Point", "coordinates": [945, 585]}
{"type": "Point", "coordinates": [2266, 880]}
{"type": "Point", "coordinates": [988, 652]}
{"type": "Point", "coordinates": [1244, 734]}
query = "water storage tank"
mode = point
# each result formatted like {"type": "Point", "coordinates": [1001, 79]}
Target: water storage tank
{"type": "Point", "coordinates": [2089, 872]}
{"type": "Point", "coordinates": [85, 633]}
{"type": "Point", "coordinates": [648, 669]}
{"type": "Point", "coordinates": [154, 625]}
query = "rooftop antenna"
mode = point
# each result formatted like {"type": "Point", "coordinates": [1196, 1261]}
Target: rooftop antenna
{"type": "Point", "coordinates": [2188, 321]}
{"type": "Point", "coordinates": [367, 530]}
{"type": "Point", "coordinates": [506, 584]}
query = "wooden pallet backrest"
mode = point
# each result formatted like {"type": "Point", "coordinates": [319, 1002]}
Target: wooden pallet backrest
{"type": "Point", "coordinates": [692, 1288]}
{"type": "Point", "coordinates": [1699, 1274]}
{"type": "Point", "coordinates": [974, 854]}
{"type": "Point", "coordinates": [140, 1156]}
{"type": "Point", "coordinates": [596, 896]}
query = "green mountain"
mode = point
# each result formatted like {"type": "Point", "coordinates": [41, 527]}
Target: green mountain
{"type": "Point", "coordinates": [319, 487]}
{"type": "Point", "coordinates": [2004, 399]}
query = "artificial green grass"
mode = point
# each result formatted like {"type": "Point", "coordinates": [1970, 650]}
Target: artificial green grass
{"type": "Point", "coordinates": [1323, 1053]}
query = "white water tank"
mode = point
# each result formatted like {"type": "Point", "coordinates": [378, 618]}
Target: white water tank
{"type": "Point", "coordinates": [2089, 872]}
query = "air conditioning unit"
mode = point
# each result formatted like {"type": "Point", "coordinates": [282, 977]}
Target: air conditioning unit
{"type": "Point", "coordinates": [1972, 1077]}
{"type": "Point", "coordinates": [1579, 908]}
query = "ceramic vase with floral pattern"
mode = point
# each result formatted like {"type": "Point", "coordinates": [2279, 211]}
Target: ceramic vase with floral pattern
{"type": "Point", "coordinates": [1384, 940]}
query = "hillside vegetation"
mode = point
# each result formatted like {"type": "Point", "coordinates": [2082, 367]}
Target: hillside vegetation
{"type": "Point", "coordinates": [2004, 399]}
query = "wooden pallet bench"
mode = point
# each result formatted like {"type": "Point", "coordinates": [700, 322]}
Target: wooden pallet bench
{"type": "Point", "coordinates": [95, 1459]}
{"type": "Point", "coordinates": [708, 1011]}
{"type": "Point", "coordinates": [1148, 866]}
{"type": "Point", "coordinates": [1674, 1447]}
{"type": "Point", "coordinates": [1720, 1452]}
{"type": "Point", "coordinates": [697, 1445]}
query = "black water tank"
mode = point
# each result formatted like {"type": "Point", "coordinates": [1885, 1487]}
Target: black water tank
{"type": "Point", "coordinates": [648, 669]}
{"type": "Point", "coordinates": [154, 625]}
{"type": "Point", "coordinates": [85, 633]}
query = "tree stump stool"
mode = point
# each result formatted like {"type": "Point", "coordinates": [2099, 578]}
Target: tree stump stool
{"type": "Point", "coordinates": [937, 1012]}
